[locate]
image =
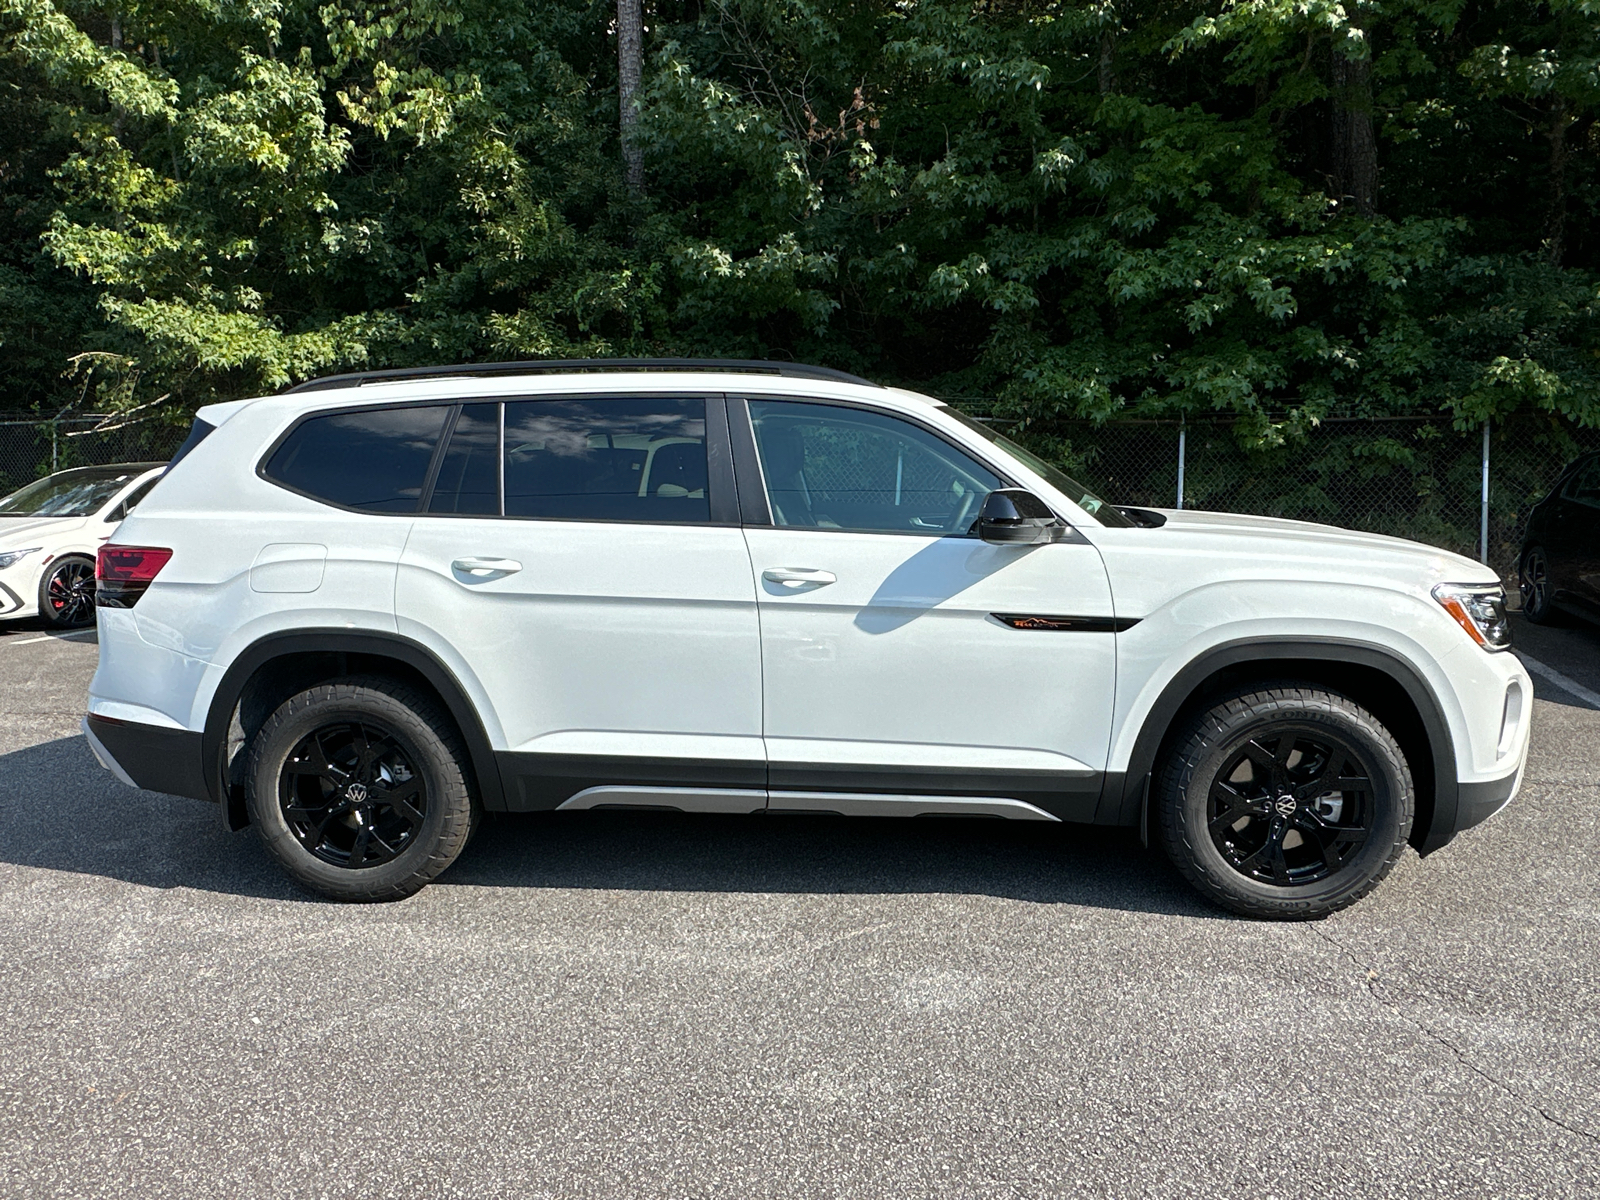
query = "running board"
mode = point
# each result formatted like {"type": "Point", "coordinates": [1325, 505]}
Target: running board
{"type": "Point", "coordinates": [849, 804]}
{"type": "Point", "coordinates": [870, 804]}
{"type": "Point", "coordinates": [696, 800]}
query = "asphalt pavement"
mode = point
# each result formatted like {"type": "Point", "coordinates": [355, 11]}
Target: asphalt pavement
{"type": "Point", "coordinates": [649, 1006]}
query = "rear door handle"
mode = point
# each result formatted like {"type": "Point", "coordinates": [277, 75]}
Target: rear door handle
{"type": "Point", "coordinates": [796, 578]}
{"type": "Point", "coordinates": [486, 568]}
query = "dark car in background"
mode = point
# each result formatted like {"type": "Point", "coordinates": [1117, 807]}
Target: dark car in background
{"type": "Point", "coordinates": [1560, 564]}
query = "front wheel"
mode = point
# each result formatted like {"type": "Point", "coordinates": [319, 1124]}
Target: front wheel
{"type": "Point", "coordinates": [359, 789]}
{"type": "Point", "coordinates": [66, 592]}
{"type": "Point", "coordinates": [1285, 802]}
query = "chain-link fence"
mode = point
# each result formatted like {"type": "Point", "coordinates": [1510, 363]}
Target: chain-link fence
{"type": "Point", "coordinates": [31, 448]}
{"type": "Point", "coordinates": [1416, 478]}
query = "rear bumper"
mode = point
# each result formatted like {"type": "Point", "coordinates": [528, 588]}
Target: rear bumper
{"type": "Point", "coordinates": [149, 756]}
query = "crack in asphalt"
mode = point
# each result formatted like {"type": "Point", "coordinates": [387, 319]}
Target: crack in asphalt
{"type": "Point", "coordinates": [1372, 981]}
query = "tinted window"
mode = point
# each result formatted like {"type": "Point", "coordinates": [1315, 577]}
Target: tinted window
{"type": "Point", "coordinates": [374, 459]}
{"type": "Point", "coordinates": [844, 468]}
{"type": "Point", "coordinates": [607, 459]}
{"type": "Point", "coordinates": [1585, 485]}
{"type": "Point", "coordinates": [469, 475]}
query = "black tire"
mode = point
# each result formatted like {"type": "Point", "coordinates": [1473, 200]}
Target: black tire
{"type": "Point", "coordinates": [1533, 582]}
{"type": "Point", "coordinates": [66, 592]}
{"type": "Point", "coordinates": [392, 809]}
{"type": "Point", "coordinates": [1302, 767]}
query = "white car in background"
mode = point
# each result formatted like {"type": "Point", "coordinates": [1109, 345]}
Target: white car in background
{"type": "Point", "coordinates": [50, 531]}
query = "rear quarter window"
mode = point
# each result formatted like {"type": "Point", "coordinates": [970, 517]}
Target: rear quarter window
{"type": "Point", "coordinates": [373, 460]}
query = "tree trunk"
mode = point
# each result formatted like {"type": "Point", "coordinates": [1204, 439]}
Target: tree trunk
{"type": "Point", "coordinates": [1355, 149]}
{"type": "Point", "coordinates": [1108, 62]}
{"type": "Point", "coordinates": [630, 72]}
{"type": "Point", "coordinates": [1555, 220]}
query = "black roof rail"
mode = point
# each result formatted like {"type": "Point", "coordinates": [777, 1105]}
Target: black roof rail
{"type": "Point", "coordinates": [747, 366]}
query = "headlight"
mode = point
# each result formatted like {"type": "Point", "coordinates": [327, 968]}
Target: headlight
{"type": "Point", "coordinates": [1480, 610]}
{"type": "Point", "coordinates": [10, 558]}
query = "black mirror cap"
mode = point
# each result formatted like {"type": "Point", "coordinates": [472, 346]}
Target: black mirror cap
{"type": "Point", "coordinates": [1014, 517]}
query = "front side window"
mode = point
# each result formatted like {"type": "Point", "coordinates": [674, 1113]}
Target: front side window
{"type": "Point", "coordinates": [1092, 504]}
{"type": "Point", "coordinates": [829, 467]}
{"type": "Point", "coordinates": [375, 459]}
{"type": "Point", "coordinates": [607, 459]}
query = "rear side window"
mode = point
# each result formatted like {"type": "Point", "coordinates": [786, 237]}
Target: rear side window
{"type": "Point", "coordinates": [375, 460]}
{"type": "Point", "coordinates": [607, 460]}
{"type": "Point", "coordinates": [132, 502]}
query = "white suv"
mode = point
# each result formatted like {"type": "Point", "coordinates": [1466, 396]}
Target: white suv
{"type": "Point", "coordinates": [361, 612]}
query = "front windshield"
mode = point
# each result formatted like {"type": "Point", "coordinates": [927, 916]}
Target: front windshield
{"type": "Point", "coordinates": [76, 493]}
{"type": "Point", "coordinates": [1062, 482]}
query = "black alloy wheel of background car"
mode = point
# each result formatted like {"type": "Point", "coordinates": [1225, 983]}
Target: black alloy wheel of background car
{"type": "Point", "coordinates": [1559, 567]}
{"type": "Point", "coordinates": [66, 593]}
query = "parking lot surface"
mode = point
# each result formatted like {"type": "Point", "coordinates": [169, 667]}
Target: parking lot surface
{"type": "Point", "coordinates": [648, 1006]}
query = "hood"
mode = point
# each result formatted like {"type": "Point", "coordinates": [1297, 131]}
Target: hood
{"type": "Point", "coordinates": [1302, 540]}
{"type": "Point", "coordinates": [14, 531]}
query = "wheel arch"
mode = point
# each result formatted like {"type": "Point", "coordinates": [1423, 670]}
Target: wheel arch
{"type": "Point", "coordinates": [275, 667]}
{"type": "Point", "coordinates": [1374, 676]}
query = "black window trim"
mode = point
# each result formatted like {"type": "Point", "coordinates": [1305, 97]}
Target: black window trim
{"type": "Point", "coordinates": [753, 501]}
{"type": "Point", "coordinates": [721, 478]}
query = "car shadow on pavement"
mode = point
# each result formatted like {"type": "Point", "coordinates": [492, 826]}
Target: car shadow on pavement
{"type": "Point", "coordinates": [60, 811]}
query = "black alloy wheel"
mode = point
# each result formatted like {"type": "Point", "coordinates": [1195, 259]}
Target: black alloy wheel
{"type": "Point", "coordinates": [1284, 800]}
{"type": "Point", "coordinates": [1533, 582]}
{"type": "Point", "coordinates": [360, 788]}
{"type": "Point", "coordinates": [1290, 807]}
{"type": "Point", "coordinates": [351, 795]}
{"type": "Point", "coordinates": [66, 594]}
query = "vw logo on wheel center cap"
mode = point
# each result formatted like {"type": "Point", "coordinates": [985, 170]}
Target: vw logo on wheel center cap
{"type": "Point", "coordinates": [1285, 804]}
{"type": "Point", "coordinates": [357, 792]}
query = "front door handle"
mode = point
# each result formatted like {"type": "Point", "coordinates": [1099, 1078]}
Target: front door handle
{"type": "Point", "coordinates": [486, 568]}
{"type": "Point", "coordinates": [796, 578]}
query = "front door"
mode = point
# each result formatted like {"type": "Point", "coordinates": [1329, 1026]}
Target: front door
{"type": "Point", "coordinates": [890, 668]}
{"type": "Point", "coordinates": [584, 559]}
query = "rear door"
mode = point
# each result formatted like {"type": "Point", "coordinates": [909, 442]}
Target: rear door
{"type": "Point", "coordinates": [581, 559]}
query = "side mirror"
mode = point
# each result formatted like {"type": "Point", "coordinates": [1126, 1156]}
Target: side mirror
{"type": "Point", "coordinates": [1013, 517]}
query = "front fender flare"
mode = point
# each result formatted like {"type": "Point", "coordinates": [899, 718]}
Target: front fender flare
{"type": "Point", "coordinates": [1123, 797]}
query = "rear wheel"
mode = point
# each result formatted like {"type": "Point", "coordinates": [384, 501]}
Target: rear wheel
{"type": "Point", "coordinates": [359, 789]}
{"type": "Point", "coordinates": [66, 593]}
{"type": "Point", "coordinates": [1285, 802]}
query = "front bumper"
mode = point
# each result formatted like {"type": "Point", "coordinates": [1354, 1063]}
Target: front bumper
{"type": "Point", "coordinates": [149, 756]}
{"type": "Point", "coordinates": [1477, 802]}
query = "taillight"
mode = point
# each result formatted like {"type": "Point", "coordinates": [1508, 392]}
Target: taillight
{"type": "Point", "coordinates": [122, 573]}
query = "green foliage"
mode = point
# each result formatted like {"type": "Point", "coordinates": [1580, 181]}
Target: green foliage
{"type": "Point", "coordinates": [1082, 209]}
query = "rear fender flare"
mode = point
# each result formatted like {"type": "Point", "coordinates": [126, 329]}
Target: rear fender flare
{"type": "Point", "coordinates": [412, 654]}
